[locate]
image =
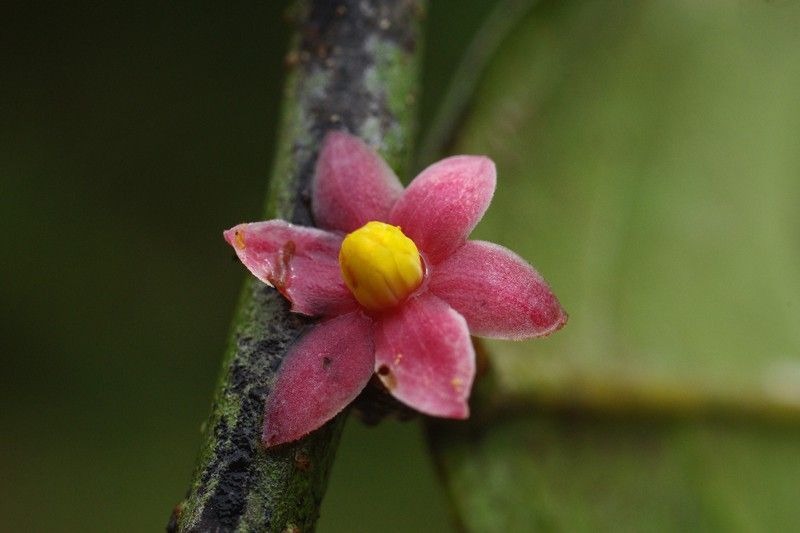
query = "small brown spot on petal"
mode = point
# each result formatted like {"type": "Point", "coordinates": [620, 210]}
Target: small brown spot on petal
{"type": "Point", "coordinates": [387, 378]}
{"type": "Point", "coordinates": [238, 239]}
{"type": "Point", "coordinates": [326, 363]}
{"type": "Point", "coordinates": [282, 270]}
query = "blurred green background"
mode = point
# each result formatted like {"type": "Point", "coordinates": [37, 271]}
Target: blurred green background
{"type": "Point", "coordinates": [649, 163]}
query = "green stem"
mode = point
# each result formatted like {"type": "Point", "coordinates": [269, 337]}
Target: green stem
{"type": "Point", "coordinates": [353, 66]}
{"type": "Point", "coordinates": [503, 18]}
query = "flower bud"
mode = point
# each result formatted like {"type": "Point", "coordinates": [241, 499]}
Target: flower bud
{"type": "Point", "coordinates": [380, 265]}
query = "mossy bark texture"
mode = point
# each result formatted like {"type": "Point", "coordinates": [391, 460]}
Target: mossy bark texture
{"type": "Point", "coordinates": [353, 66]}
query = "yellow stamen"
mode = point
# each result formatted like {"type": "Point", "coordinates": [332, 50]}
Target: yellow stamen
{"type": "Point", "coordinates": [380, 265]}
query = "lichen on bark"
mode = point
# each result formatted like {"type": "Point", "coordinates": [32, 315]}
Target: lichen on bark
{"type": "Point", "coordinates": [353, 66]}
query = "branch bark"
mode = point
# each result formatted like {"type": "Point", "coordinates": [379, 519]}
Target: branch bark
{"type": "Point", "coordinates": [353, 66]}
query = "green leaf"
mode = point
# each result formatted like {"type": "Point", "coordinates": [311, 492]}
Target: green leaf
{"type": "Point", "coordinates": [648, 161]}
{"type": "Point", "coordinates": [586, 473]}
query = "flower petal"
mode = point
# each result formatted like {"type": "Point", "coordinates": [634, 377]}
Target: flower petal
{"type": "Point", "coordinates": [352, 185]}
{"type": "Point", "coordinates": [424, 356]}
{"type": "Point", "coordinates": [444, 203]}
{"type": "Point", "coordinates": [498, 293]}
{"type": "Point", "coordinates": [322, 373]}
{"type": "Point", "coordinates": [300, 262]}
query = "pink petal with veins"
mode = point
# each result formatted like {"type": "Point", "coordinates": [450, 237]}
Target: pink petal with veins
{"type": "Point", "coordinates": [444, 203]}
{"type": "Point", "coordinates": [498, 293]}
{"type": "Point", "coordinates": [352, 184]}
{"type": "Point", "coordinates": [300, 262]}
{"type": "Point", "coordinates": [322, 373]}
{"type": "Point", "coordinates": [424, 356]}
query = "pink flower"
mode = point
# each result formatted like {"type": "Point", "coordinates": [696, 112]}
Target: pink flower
{"type": "Point", "coordinates": [386, 309]}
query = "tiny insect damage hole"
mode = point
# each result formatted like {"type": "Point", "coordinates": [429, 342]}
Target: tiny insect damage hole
{"type": "Point", "coordinates": [326, 363]}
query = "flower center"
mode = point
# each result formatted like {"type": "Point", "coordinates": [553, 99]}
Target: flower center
{"type": "Point", "coordinates": [380, 265]}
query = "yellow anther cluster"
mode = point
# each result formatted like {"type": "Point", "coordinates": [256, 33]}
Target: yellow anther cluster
{"type": "Point", "coordinates": [380, 265]}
